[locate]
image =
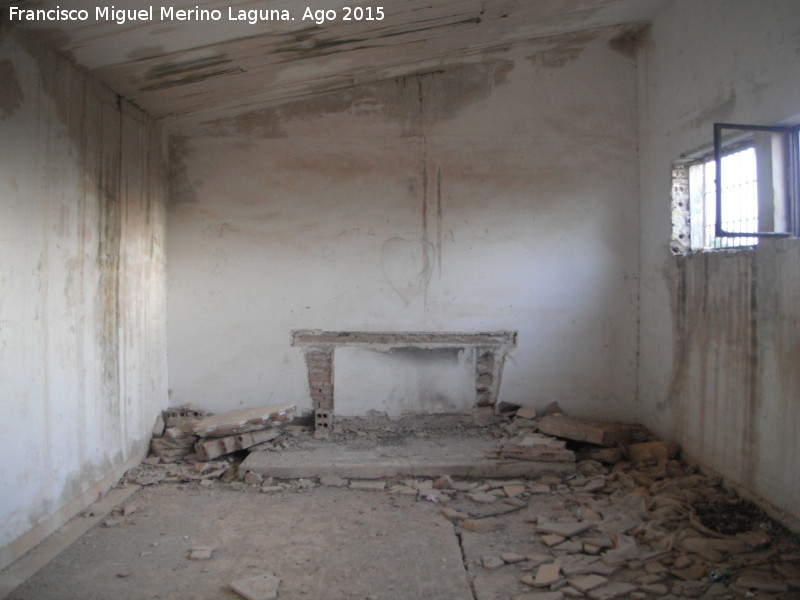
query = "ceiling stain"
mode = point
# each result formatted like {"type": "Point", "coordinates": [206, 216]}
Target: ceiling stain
{"type": "Point", "coordinates": [147, 52]}
{"type": "Point", "coordinates": [257, 124]}
{"type": "Point", "coordinates": [563, 50]}
{"type": "Point", "coordinates": [628, 42]}
{"type": "Point", "coordinates": [190, 71]}
{"type": "Point", "coordinates": [276, 63]}
{"type": "Point", "coordinates": [415, 102]}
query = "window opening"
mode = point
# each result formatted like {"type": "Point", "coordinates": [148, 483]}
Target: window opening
{"type": "Point", "coordinates": [757, 196]}
{"type": "Point", "coordinates": [739, 201]}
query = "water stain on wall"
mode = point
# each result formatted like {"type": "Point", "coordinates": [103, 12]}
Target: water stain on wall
{"type": "Point", "coordinates": [11, 95]}
{"type": "Point", "coordinates": [630, 41]}
{"type": "Point", "coordinates": [181, 189]}
{"type": "Point", "coordinates": [109, 231]}
{"type": "Point", "coordinates": [59, 82]}
{"type": "Point", "coordinates": [715, 370]}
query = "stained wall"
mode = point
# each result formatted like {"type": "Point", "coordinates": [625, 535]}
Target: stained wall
{"type": "Point", "coordinates": [720, 332]}
{"type": "Point", "coordinates": [82, 289]}
{"type": "Point", "coordinates": [496, 193]}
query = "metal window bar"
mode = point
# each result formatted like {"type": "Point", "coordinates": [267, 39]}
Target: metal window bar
{"type": "Point", "coordinates": [735, 216]}
{"type": "Point", "coordinates": [739, 200]}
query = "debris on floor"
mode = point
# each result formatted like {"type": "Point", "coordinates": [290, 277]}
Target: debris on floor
{"type": "Point", "coordinates": [243, 421]}
{"type": "Point", "coordinates": [201, 553]}
{"type": "Point", "coordinates": [632, 522]}
{"type": "Point", "coordinates": [190, 434]}
{"type": "Point", "coordinates": [173, 439]}
{"type": "Point", "coordinates": [260, 587]}
{"type": "Point", "coordinates": [534, 447]}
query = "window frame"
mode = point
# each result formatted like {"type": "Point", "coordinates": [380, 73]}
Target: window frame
{"type": "Point", "coordinates": [792, 174]}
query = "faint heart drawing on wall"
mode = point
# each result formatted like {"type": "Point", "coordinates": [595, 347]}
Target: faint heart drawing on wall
{"type": "Point", "coordinates": [407, 265]}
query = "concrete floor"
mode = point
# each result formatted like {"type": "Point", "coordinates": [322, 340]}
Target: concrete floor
{"type": "Point", "coordinates": [326, 543]}
{"type": "Point", "coordinates": [478, 539]}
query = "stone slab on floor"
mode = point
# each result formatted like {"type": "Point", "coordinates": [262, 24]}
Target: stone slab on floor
{"type": "Point", "coordinates": [454, 456]}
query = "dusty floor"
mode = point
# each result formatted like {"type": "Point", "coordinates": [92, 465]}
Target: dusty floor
{"type": "Point", "coordinates": [642, 539]}
{"type": "Point", "coordinates": [325, 543]}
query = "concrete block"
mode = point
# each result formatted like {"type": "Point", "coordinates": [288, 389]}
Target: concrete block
{"type": "Point", "coordinates": [323, 422]}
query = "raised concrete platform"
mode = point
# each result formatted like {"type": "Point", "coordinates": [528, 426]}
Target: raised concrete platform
{"type": "Point", "coordinates": [434, 456]}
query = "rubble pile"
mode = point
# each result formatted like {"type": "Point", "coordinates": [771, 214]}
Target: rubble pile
{"type": "Point", "coordinates": [189, 435]}
{"type": "Point", "coordinates": [173, 439]}
{"type": "Point", "coordinates": [555, 437]}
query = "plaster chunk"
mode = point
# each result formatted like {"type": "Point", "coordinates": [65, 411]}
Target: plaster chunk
{"type": "Point", "coordinates": [260, 587]}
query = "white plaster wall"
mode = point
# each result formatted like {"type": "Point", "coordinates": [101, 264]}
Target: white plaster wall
{"type": "Point", "coordinates": [507, 181]}
{"type": "Point", "coordinates": [719, 333]}
{"type": "Point", "coordinates": [404, 381]}
{"type": "Point", "coordinates": [82, 295]}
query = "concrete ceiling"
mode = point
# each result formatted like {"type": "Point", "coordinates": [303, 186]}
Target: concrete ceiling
{"type": "Point", "coordinates": [200, 70]}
